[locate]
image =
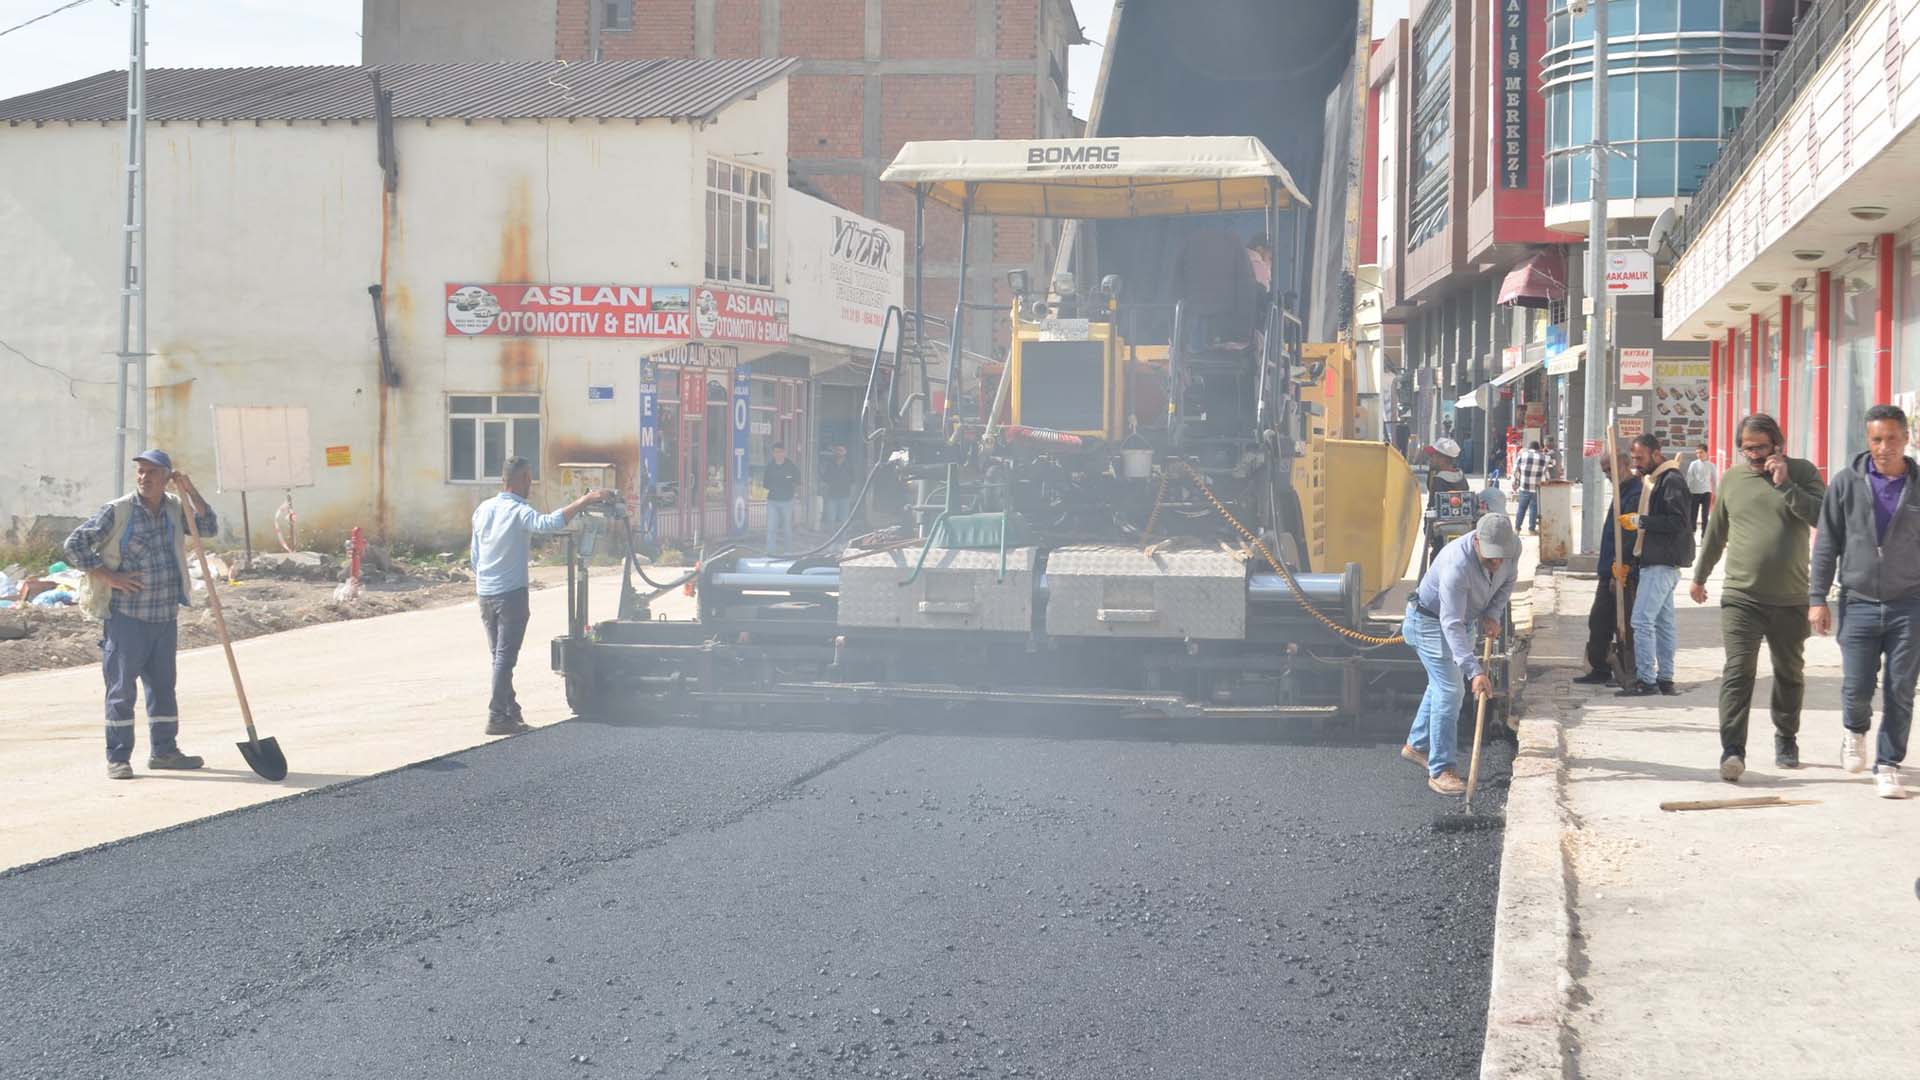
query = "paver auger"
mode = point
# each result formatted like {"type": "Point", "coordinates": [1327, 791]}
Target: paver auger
{"type": "Point", "coordinates": [1151, 508]}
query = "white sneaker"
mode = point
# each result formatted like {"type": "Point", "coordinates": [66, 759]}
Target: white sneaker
{"type": "Point", "coordinates": [1853, 751]}
{"type": "Point", "coordinates": [1886, 778]}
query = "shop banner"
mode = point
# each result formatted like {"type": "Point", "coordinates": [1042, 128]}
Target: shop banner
{"type": "Point", "coordinates": [1682, 401]}
{"type": "Point", "coordinates": [615, 311]}
{"type": "Point", "coordinates": [844, 272]}
{"type": "Point", "coordinates": [649, 446]}
{"type": "Point", "coordinates": [742, 477]}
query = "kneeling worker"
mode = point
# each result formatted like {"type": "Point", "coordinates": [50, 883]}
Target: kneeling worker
{"type": "Point", "coordinates": [1472, 578]}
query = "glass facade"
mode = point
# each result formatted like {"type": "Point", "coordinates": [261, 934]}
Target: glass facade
{"type": "Point", "coordinates": [1432, 163]}
{"type": "Point", "coordinates": [1680, 75]}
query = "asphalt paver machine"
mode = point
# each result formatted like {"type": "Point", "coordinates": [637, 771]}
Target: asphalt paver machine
{"type": "Point", "coordinates": [1168, 523]}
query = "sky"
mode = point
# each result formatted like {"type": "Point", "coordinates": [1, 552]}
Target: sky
{"type": "Point", "coordinates": [92, 38]}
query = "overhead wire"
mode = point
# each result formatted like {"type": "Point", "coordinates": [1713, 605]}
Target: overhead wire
{"type": "Point", "coordinates": [45, 16]}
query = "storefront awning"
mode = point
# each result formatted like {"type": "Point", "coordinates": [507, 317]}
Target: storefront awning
{"type": "Point", "coordinates": [1568, 361]}
{"type": "Point", "coordinates": [1537, 282]}
{"type": "Point", "coordinates": [1475, 400]}
{"type": "Point", "coordinates": [1517, 372]}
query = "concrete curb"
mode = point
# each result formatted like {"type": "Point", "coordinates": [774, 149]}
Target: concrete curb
{"type": "Point", "coordinates": [1529, 1000]}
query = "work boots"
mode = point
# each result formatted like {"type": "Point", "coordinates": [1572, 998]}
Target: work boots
{"type": "Point", "coordinates": [174, 759]}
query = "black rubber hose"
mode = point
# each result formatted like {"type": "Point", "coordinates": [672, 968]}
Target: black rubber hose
{"type": "Point", "coordinates": [633, 563]}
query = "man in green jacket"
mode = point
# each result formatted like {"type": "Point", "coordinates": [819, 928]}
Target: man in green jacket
{"type": "Point", "coordinates": [1760, 521]}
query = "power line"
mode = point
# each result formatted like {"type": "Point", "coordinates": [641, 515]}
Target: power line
{"type": "Point", "coordinates": [37, 18]}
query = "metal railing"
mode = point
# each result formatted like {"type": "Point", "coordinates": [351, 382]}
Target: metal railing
{"type": "Point", "coordinates": [1821, 30]}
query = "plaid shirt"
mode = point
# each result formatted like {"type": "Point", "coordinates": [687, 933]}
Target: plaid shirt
{"type": "Point", "coordinates": [147, 550]}
{"type": "Point", "coordinates": [1529, 469]}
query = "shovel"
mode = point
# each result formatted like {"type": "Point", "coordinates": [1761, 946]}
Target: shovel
{"type": "Point", "coordinates": [263, 755]}
{"type": "Point", "coordinates": [1620, 652]}
{"type": "Point", "coordinates": [1467, 821]}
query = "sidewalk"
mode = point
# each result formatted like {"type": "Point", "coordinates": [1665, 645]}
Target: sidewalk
{"type": "Point", "coordinates": [346, 700]}
{"type": "Point", "coordinates": [1773, 942]}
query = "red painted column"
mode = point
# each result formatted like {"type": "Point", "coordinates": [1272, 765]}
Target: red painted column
{"type": "Point", "coordinates": [1786, 359]}
{"type": "Point", "coordinates": [1883, 322]}
{"type": "Point", "coordinates": [1756, 346]}
{"type": "Point", "coordinates": [1713, 402]}
{"type": "Point", "coordinates": [1822, 357]}
{"type": "Point", "coordinates": [1725, 402]}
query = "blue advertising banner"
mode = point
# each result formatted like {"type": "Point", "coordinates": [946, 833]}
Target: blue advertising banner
{"type": "Point", "coordinates": [649, 447]}
{"type": "Point", "coordinates": [742, 410]}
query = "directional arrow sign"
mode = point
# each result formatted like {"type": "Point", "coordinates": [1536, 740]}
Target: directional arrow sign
{"type": "Point", "coordinates": [1636, 369]}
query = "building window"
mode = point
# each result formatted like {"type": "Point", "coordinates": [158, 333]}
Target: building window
{"type": "Point", "coordinates": [484, 430]}
{"type": "Point", "coordinates": [1432, 124]}
{"type": "Point", "coordinates": [739, 225]}
{"type": "Point", "coordinates": [616, 14]}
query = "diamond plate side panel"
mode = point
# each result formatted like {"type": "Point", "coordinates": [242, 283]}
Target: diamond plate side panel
{"type": "Point", "coordinates": [956, 590]}
{"type": "Point", "coordinates": [1114, 591]}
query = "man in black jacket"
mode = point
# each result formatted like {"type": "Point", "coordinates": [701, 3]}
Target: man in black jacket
{"type": "Point", "coordinates": [1869, 534]}
{"type": "Point", "coordinates": [1662, 530]}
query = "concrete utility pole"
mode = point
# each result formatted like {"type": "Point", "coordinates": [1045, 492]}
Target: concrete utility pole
{"type": "Point", "coordinates": [1599, 384]}
{"type": "Point", "coordinates": [133, 253]}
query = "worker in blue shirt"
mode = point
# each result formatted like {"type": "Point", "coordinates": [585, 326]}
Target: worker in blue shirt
{"type": "Point", "coordinates": [1470, 580]}
{"type": "Point", "coordinates": [503, 529]}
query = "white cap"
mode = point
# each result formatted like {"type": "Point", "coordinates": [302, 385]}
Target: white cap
{"type": "Point", "coordinates": [1497, 538]}
{"type": "Point", "coordinates": [1447, 447]}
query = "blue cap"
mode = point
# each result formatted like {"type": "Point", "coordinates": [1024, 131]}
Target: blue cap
{"type": "Point", "coordinates": [156, 457]}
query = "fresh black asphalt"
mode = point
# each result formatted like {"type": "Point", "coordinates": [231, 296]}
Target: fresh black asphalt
{"type": "Point", "coordinates": [603, 900]}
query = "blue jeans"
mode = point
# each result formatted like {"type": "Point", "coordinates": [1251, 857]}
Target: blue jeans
{"type": "Point", "coordinates": [505, 617]}
{"type": "Point", "coordinates": [132, 652]}
{"type": "Point", "coordinates": [1653, 632]}
{"type": "Point", "coordinates": [1436, 723]}
{"type": "Point", "coordinates": [1528, 503]}
{"type": "Point", "coordinates": [834, 512]}
{"type": "Point", "coordinates": [780, 527]}
{"type": "Point", "coordinates": [1867, 631]}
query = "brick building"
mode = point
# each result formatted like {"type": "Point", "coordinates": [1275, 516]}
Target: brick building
{"type": "Point", "coordinates": [873, 74]}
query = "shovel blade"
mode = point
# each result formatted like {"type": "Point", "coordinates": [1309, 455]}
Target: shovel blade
{"type": "Point", "coordinates": [264, 757]}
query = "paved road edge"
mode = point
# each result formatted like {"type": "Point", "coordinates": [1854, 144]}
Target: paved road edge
{"type": "Point", "coordinates": [1528, 1002]}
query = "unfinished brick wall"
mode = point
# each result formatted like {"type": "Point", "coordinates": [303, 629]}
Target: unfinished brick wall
{"type": "Point", "coordinates": [928, 29]}
{"type": "Point", "coordinates": [1017, 28]}
{"type": "Point", "coordinates": [661, 29]}
{"type": "Point", "coordinates": [823, 29]}
{"type": "Point", "coordinates": [824, 116]}
{"type": "Point", "coordinates": [828, 125]}
{"type": "Point", "coordinates": [736, 28]}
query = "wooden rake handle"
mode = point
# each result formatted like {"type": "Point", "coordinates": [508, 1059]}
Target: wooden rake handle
{"type": "Point", "coordinates": [213, 602]}
{"type": "Point", "coordinates": [1479, 724]}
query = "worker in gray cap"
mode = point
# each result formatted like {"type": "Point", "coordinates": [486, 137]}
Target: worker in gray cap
{"type": "Point", "coordinates": [1471, 579]}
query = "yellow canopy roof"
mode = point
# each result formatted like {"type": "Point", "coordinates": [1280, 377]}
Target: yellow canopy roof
{"type": "Point", "coordinates": [1097, 179]}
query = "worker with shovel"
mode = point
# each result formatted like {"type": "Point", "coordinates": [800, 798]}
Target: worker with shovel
{"type": "Point", "coordinates": [135, 553]}
{"type": "Point", "coordinates": [1471, 579]}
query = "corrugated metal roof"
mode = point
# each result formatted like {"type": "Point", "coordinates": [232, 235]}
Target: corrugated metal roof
{"type": "Point", "coordinates": [617, 89]}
